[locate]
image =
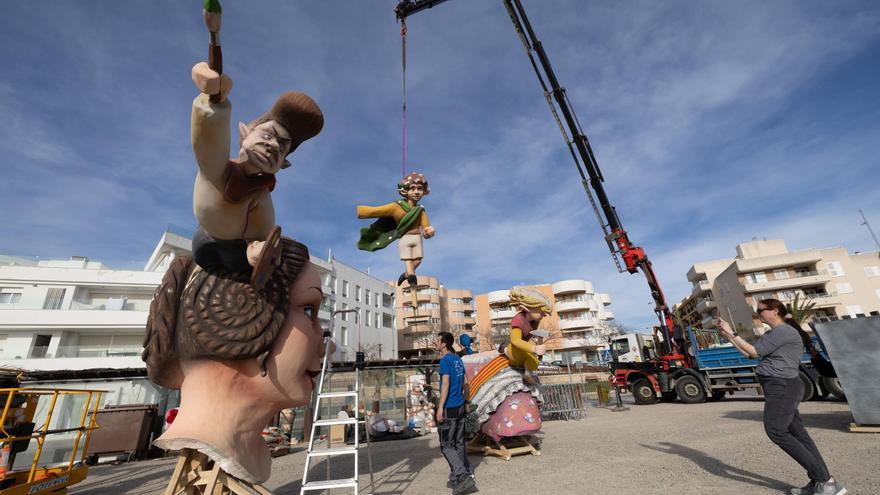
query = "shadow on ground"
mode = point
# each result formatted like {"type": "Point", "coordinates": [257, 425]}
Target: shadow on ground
{"type": "Point", "coordinates": [130, 479]}
{"type": "Point", "coordinates": [837, 421]}
{"type": "Point", "coordinates": [395, 470]}
{"type": "Point", "coordinates": [718, 468]}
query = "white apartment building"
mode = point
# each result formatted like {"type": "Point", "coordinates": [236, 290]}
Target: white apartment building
{"type": "Point", "coordinates": [347, 288]}
{"type": "Point", "coordinates": [578, 325]}
{"type": "Point", "coordinates": [839, 283]}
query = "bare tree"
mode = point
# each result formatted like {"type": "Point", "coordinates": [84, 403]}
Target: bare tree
{"type": "Point", "coordinates": [500, 335]}
{"type": "Point", "coordinates": [615, 327]}
{"type": "Point", "coordinates": [372, 352]}
{"type": "Point", "coordinates": [424, 335]}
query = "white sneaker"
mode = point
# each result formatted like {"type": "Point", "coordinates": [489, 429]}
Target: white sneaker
{"type": "Point", "coordinates": [829, 488]}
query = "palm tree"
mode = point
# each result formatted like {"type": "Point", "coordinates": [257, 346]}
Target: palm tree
{"type": "Point", "coordinates": [801, 311]}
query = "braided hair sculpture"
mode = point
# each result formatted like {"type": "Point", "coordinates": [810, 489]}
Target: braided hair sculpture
{"type": "Point", "coordinates": [217, 315]}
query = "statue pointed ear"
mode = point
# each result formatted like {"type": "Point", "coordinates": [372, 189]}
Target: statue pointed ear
{"type": "Point", "coordinates": [243, 131]}
{"type": "Point", "coordinates": [286, 164]}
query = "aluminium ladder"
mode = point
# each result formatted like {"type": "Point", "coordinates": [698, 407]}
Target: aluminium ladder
{"type": "Point", "coordinates": [347, 450]}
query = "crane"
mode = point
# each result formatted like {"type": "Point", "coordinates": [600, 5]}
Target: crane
{"type": "Point", "coordinates": [634, 258]}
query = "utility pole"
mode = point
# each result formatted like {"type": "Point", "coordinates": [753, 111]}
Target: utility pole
{"type": "Point", "coordinates": [866, 224]}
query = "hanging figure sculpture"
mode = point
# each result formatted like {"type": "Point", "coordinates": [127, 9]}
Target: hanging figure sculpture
{"type": "Point", "coordinates": [404, 219]}
{"type": "Point", "coordinates": [231, 198]}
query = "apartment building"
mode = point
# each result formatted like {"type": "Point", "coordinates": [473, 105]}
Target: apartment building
{"type": "Point", "coordinates": [578, 325]}
{"type": "Point", "coordinates": [438, 309]}
{"type": "Point", "coordinates": [686, 313]}
{"type": "Point", "coordinates": [372, 324]}
{"type": "Point", "coordinates": [78, 314]}
{"type": "Point", "coordinates": [840, 284]}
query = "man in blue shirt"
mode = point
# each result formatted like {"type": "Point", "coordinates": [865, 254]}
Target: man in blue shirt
{"type": "Point", "coordinates": [451, 412]}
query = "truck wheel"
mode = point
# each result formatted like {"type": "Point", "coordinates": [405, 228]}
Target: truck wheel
{"type": "Point", "coordinates": [809, 388]}
{"type": "Point", "coordinates": [690, 390]}
{"type": "Point", "coordinates": [833, 385]}
{"type": "Point", "coordinates": [643, 392]}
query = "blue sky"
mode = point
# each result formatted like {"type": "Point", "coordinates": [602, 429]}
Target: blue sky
{"type": "Point", "coordinates": [713, 123]}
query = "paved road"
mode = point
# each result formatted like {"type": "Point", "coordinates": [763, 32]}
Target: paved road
{"type": "Point", "coordinates": [713, 448]}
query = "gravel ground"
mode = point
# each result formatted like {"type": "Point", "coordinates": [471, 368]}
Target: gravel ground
{"type": "Point", "coordinates": [712, 448]}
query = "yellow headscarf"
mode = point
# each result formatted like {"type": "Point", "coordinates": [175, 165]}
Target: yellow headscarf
{"type": "Point", "coordinates": [531, 299]}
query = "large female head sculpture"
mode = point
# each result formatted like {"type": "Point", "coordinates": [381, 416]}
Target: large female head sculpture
{"type": "Point", "coordinates": [237, 354]}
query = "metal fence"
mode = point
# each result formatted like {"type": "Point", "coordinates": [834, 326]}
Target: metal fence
{"type": "Point", "coordinates": [565, 400]}
{"type": "Point", "coordinates": [387, 389]}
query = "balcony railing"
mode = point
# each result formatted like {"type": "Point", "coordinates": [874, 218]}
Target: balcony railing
{"type": "Point", "coordinates": [128, 305]}
{"type": "Point", "coordinates": [43, 352]}
{"type": "Point", "coordinates": [702, 286]}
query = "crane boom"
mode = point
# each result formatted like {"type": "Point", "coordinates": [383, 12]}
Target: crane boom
{"type": "Point", "coordinates": [633, 257]}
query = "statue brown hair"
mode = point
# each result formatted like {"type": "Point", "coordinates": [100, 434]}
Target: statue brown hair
{"type": "Point", "coordinates": [216, 315]}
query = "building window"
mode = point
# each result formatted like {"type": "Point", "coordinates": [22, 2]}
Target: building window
{"type": "Point", "coordinates": [9, 298]}
{"type": "Point", "coordinates": [54, 298]}
{"type": "Point", "coordinates": [763, 295]}
{"type": "Point", "coordinates": [357, 293]}
{"type": "Point", "coordinates": [844, 288]}
{"type": "Point", "coordinates": [344, 315]}
{"type": "Point", "coordinates": [333, 284]}
{"type": "Point", "coordinates": [345, 288]}
{"type": "Point", "coordinates": [787, 295]}
{"type": "Point", "coordinates": [388, 320]}
{"type": "Point", "coordinates": [780, 274]}
{"type": "Point", "coordinates": [872, 271]}
{"type": "Point", "coordinates": [367, 296]}
{"type": "Point", "coordinates": [41, 346]}
{"type": "Point", "coordinates": [367, 318]}
{"type": "Point", "coordinates": [344, 336]}
{"type": "Point", "coordinates": [835, 269]}
{"type": "Point", "coordinates": [854, 310]}
{"type": "Point", "coordinates": [757, 277]}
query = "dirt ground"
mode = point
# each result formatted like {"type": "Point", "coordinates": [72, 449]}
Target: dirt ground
{"type": "Point", "coordinates": [712, 448]}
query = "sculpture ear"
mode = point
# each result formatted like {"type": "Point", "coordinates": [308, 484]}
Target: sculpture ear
{"type": "Point", "coordinates": [243, 131]}
{"type": "Point", "coordinates": [286, 164]}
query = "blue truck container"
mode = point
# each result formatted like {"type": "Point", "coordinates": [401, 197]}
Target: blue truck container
{"type": "Point", "coordinates": [726, 370]}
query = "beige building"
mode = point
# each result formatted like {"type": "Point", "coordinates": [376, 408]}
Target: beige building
{"type": "Point", "coordinates": [686, 313]}
{"type": "Point", "coordinates": [578, 325]}
{"type": "Point", "coordinates": [438, 310]}
{"type": "Point", "coordinates": [839, 283]}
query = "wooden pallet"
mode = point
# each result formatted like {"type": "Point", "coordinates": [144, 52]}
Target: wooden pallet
{"type": "Point", "coordinates": [507, 448]}
{"type": "Point", "coordinates": [196, 474]}
{"type": "Point", "coordinates": [857, 428]}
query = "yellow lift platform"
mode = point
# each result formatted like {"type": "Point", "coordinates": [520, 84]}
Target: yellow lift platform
{"type": "Point", "coordinates": [17, 429]}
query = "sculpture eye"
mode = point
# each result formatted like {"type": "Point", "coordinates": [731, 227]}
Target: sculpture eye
{"type": "Point", "coordinates": [266, 135]}
{"type": "Point", "coordinates": [310, 311]}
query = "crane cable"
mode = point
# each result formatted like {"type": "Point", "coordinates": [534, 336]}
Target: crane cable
{"type": "Point", "coordinates": [403, 61]}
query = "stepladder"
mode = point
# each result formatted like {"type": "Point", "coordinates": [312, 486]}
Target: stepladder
{"type": "Point", "coordinates": [318, 450]}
